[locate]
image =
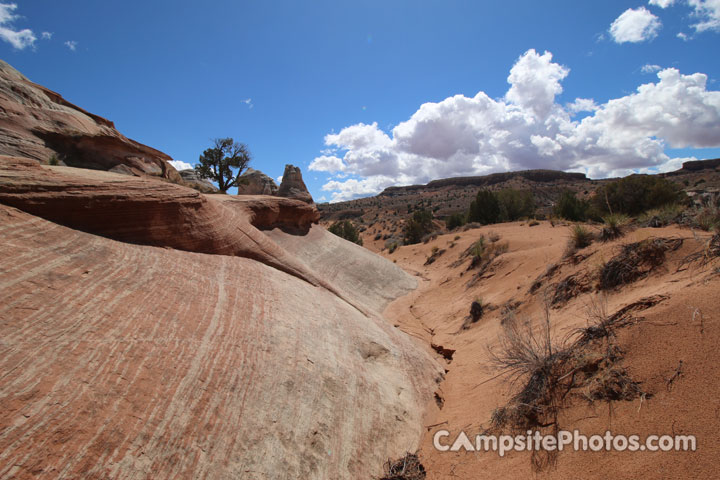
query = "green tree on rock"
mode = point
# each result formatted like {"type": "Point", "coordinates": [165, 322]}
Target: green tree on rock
{"type": "Point", "coordinates": [224, 162]}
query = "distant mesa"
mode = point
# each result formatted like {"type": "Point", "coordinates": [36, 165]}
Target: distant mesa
{"type": "Point", "coordinates": [542, 176]}
{"type": "Point", "coordinates": [292, 185]}
{"type": "Point", "coordinates": [255, 182]}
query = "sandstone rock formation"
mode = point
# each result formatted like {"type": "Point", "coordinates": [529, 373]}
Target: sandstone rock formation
{"type": "Point", "coordinates": [292, 185]}
{"type": "Point", "coordinates": [255, 182]}
{"type": "Point", "coordinates": [249, 345]}
{"type": "Point", "coordinates": [193, 180]}
{"type": "Point", "coordinates": [38, 123]}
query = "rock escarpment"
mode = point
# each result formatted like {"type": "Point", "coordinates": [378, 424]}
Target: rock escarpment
{"type": "Point", "coordinates": [151, 331]}
{"type": "Point", "coordinates": [292, 185]}
{"type": "Point", "coordinates": [37, 123]}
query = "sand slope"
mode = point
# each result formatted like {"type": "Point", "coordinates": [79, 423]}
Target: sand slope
{"type": "Point", "coordinates": [681, 327]}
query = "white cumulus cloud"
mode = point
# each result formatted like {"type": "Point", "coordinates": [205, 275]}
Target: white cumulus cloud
{"type": "Point", "coordinates": [71, 44]}
{"type": "Point", "coordinates": [19, 39]}
{"type": "Point", "coordinates": [582, 105]}
{"type": "Point", "coordinates": [649, 68]}
{"type": "Point", "coordinates": [180, 165]}
{"type": "Point", "coordinates": [635, 25]}
{"type": "Point", "coordinates": [526, 129]}
{"type": "Point", "coordinates": [661, 3]}
{"type": "Point", "coordinates": [46, 35]}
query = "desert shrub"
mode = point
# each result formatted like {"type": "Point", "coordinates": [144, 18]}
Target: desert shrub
{"type": "Point", "coordinates": [533, 223]}
{"type": "Point", "coordinates": [637, 193]}
{"type": "Point", "coordinates": [571, 208]}
{"type": "Point", "coordinates": [515, 204]}
{"type": "Point", "coordinates": [454, 221]}
{"type": "Point", "coordinates": [345, 229]}
{"type": "Point", "coordinates": [392, 244]}
{"type": "Point", "coordinates": [417, 226]}
{"type": "Point", "coordinates": [485, 209]}
{"type": "Point", "coordinates": [54, 160]}
{"type": "Point", "coordinates": [580, 237]}
{"type": "Point", "coordinates": [378, 236]}
{"type": "Point", "coordinates": [528, 357]}
{"type": "Point", "coordinates": [430, 236]}
{"type": "Point", "coordinates": [707, 217]}
{"type": "Point", "coordinates": [550, 372]}
{"type": "Point", "coordinates": [613, 226]}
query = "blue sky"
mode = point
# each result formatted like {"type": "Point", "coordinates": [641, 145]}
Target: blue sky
{"type": "Point", "coordinates": [336, 87]}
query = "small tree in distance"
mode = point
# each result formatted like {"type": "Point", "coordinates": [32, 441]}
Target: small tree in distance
{"type": "Point", "coordinates": [219, 162]}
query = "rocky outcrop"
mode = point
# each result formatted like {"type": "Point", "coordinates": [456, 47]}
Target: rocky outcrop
{"type": "Point", "coordinates": [193, 180]}
{"type": "Point", "coordinates": [38, 123]}
{"type": "Point", "coordinates": [239, 349]}
{"type": "Point", "coordinates": [255, 182]}
{"type": "Point", "coordinates": [292, 185]}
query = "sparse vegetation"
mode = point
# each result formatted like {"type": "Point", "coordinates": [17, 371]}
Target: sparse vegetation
{"type": "Point", "coordinates": [663, 216]}
{"type": "Point", "coordinates": [515, 204]}
{"type": "Point", "coordinates": [571, 208]}
{"type": "Point", "coordinates": [485, 209]}
{"type": "Point", "coordinates": [435, 253]}
{"type": "Point", "coordinates": [580, 237]}
{"type": "Point", "coordinates": [405, 468]}
{"type": "Point", "coordinates": [636, 260]}
{"type": "Point", "coordinates": [707, 217]}
{"type": "Point", "coordinates": [549, 372]}
{"type": "Point", "coordinates": [345, 229]}
{"type": "Point", "coordinates": [417, 226]}
{"type": "Point", "coordinates": [636, 194]}
{"type": "Point", "coordinates": [614, 224]}
{"type": "Point", "coordinates": [53, 160]}
{"type": "Point", "coordinates": [454, 221]}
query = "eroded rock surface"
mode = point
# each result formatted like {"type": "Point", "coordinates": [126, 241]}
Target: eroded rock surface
{"type": "Point", "coordinates": [37, 123]}
{"type": "Point", "coordinates": [193, 180]}
{"type": "Point", "coordinates": [255, 182]}
{"type": "Point", "coordinates": [250, 346]}
{"type": "Point", "coordinates": [292, 185]}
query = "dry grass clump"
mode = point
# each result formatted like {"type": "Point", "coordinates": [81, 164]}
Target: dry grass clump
{"type": "Point", "coordinates": [405, 468]}
{"type": "Point", "coordinates": [551, 373]}
{"type": "Point", "coordinates": [663, 216]}
{"type": "Point", "coordinates": [707, 217]}
{"type": "Point", "coordinates": [710, 252]}
{"type": "Point", "coordinates": [435, 253]}
{"type": "Point", "coordinates": [580, 237]}
{"type": "Point", "coordinates": [635, 261]}
{"type": "Point", "coordinates": [614, 225]}
{"type": "Point", "coordinates": [482, 254]}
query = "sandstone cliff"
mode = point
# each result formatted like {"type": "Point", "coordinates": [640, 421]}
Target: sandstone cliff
{"type": "Point", "coordinates": [37, 123]}
{"type": "Point", "coordinates": [151, 331]}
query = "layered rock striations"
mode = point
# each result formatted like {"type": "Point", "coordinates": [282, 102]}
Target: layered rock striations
{"type": "Point", "coordinates": [151, 331]}
{"type": "Point", "coordinates": [37, 123]}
